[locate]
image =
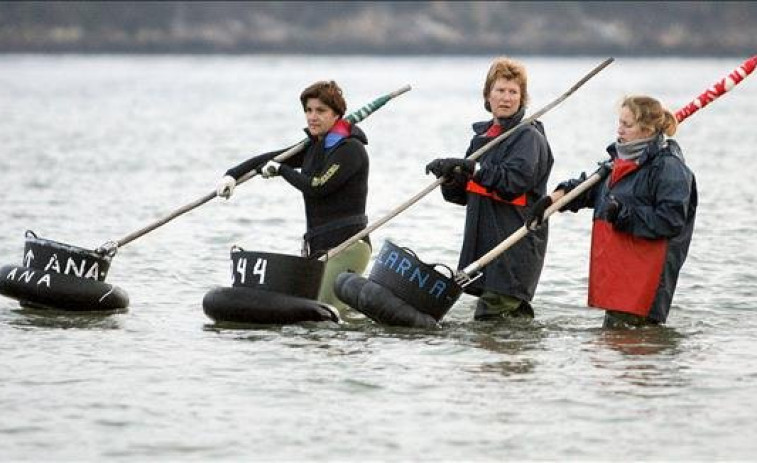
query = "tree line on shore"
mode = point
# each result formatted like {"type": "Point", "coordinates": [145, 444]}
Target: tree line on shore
{"type": "Point", "coordinates": [392, 27]}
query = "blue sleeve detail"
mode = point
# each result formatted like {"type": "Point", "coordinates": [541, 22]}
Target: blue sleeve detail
{"type": "Point", "coordinates": [332, 139]}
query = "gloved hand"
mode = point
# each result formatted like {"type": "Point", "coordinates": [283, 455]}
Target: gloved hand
{"type": "Point", "coordinates": [270, 169]}
{"type": "Point", "coordinates": [226, 186]}
{"type": "Point", "coordinates": [535, 218]}
{"type": "Point", "coordinates": [443, 167]}
{"type": "Point", "coordinates": [612, 210]}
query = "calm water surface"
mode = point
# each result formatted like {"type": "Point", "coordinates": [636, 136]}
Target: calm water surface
{"type": "Point", "coordinates": [93, 148]}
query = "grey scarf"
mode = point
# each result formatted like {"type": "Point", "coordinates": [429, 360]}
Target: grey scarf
{"type": "Point", "coordinates": [630, 151]}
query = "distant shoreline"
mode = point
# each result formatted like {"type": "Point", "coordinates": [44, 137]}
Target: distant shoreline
{"type": "Point", "coordinates": [377, 54]}
{"type": "Point", "coordinates": [381, 28]}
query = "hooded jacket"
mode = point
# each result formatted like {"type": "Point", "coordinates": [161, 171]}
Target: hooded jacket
{"type": "Point", "coordinates": [518, 166]}
{"type": "Point", "coordinates": [637, 256]}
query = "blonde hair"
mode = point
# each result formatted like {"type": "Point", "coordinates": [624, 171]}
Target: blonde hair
{"type": "Point", "coordinates": [506, 68]}
{"type": "Point", "coordinates": [650, 114]}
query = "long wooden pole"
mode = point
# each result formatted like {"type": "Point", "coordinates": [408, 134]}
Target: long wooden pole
{"type": "Point", "coordinates": [111, 247]}
{"type": "Point", "coordinates": [477, 154]}
{"type": "Point", "coordinates": [466, 275]}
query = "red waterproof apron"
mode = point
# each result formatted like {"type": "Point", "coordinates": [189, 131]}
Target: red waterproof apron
{"type": "Point", "coordinates": [624, 270]}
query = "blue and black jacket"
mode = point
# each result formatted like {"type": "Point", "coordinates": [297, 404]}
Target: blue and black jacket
{"type": "Point", "coordinates": [637, 254]}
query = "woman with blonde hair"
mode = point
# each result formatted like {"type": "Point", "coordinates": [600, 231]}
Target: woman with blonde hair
{"type": "Point", "coordinates": [643, 217]}
{"type": "Point", "coordinates": [499, 190]}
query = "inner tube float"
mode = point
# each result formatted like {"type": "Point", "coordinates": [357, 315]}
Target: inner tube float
{"type": "Point", "coordinates": [401, 290]}
{"type": "Point", "coordinates": [379, 303]}
{"type": "Point", "coordinates": [37, 289]}
{"type": "Point", "coordinates": [269, 288]}
{"type": "Point", "coordinates": [254, 306]}
{"type": "Point", "coordinates": [61, 277]}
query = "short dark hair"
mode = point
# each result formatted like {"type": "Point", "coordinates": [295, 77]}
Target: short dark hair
{"type": "Point", "coordinates": [328, 92]}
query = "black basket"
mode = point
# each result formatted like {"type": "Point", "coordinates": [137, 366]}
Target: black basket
{"type": "Point", "coordinates": [414, 281]}
{"type": "Point", "coordinates": [51, 256]}
{"type": "Point", "coordinates": [282, 273]}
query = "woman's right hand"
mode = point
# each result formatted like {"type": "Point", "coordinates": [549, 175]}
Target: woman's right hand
{"type": "Point", "coordinates": [445, 167]}
{"type": "Point", "coordinates": [226, 186]}
{"type": "Point", "coordinates": [270, 169]}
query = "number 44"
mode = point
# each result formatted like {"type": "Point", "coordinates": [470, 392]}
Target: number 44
{"type": "Point", "coordinates": [257, 269]}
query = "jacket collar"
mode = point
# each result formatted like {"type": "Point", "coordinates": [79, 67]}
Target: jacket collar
{"type": "Point", "coordinates": [341, 130]}
{"type": "Point", "coordinates": [653, 148]}
{"type": "Point", "coordinates": [507, 123]}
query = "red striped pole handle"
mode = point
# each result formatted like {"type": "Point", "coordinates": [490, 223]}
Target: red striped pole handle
{"type": "Point", "coordinates": [717, 89]}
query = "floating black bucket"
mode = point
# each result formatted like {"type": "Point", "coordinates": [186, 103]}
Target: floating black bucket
{"type": "Point", "coordinates": [282, 273]}
{"type": "Point", "coordinates": [414, 281]}
{"type": "Point", "coordinates": [59, 276]}
{"type": "Point", "coordinates": [51, 256]}
{"type": "Point", "coordinates": [269, 288]}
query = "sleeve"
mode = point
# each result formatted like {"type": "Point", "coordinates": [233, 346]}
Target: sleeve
{"type": "Point", "coordinates": [344, 162]}
{"type": "Point", "coordinates": [255, 162]}
{"type": "Point", "coordinates": [518, 172]}
{"type": "Point", "coordinates": [589, 197]}
{"type": "Point", "coordinates": [667, 217]}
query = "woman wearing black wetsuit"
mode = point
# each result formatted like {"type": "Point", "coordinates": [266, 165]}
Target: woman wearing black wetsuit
{"type": "Point", "coordinates": [332, 175]}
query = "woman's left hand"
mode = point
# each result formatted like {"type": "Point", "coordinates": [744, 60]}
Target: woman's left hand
{"type": "Point", "coordinates": [535, 218]}
{"type": "Point", "coordinates": [612, 210]}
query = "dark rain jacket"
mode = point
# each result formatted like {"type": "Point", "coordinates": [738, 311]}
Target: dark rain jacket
{"type": "Point", "coordinates": [635, 261]}
{"type": "Point", "coordinates": [333, 179]}
{"type": "Point", "coordinates": [519, 165]}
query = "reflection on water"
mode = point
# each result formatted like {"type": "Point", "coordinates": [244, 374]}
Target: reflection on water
{"type": "Point", "coordinates": [512, 343]}
{"type": "Point", "coordinates": [46, 318]}
{"type": "Point", "coordinates": [648, 360]}
{"type": "Point", "coordinates": [645, 340]}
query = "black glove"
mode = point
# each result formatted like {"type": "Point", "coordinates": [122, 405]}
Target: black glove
{"type": "Point", "coordinates": [612, 210]}
{"type": "Point", "coordinates": [535, 218]}
{"type": "Point", "coordinates": [443, 167]}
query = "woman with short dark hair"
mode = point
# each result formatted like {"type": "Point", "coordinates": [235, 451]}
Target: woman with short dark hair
{"type": "Point", "coordinates": [332, 175]}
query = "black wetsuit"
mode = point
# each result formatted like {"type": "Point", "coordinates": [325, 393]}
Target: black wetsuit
{"type": "Point", "coordinates": [333, 179]}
